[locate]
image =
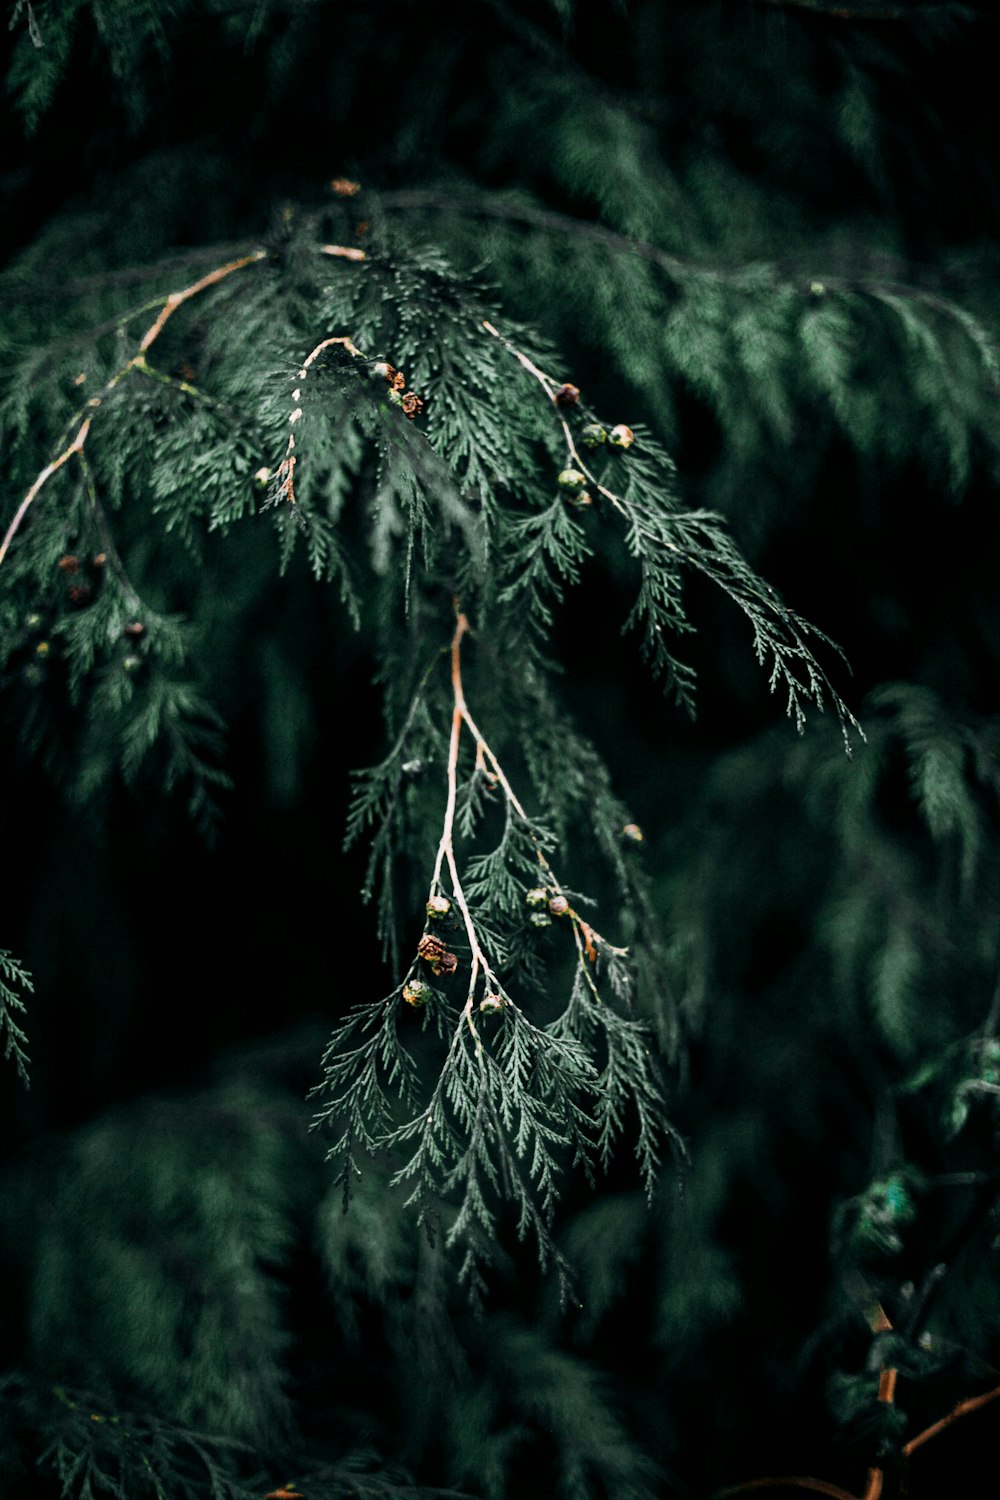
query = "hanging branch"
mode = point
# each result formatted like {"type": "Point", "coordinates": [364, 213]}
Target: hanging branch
{"type": "Point", "coordinates": [512, 1097]}
{"type": "Point", "coordinates": [654, 520]}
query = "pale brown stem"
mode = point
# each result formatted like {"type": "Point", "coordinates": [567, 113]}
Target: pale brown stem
{"type": "Point", "coordinates": [176, 299]}
{"type": "Point", "coordinates": [137, 362]}
{"type": "Point", "coordinates": [961, 1410]}
{"type": "Point", "coordinates": [446, 846]}
{"type": "Point", "coordinates": [817, 1486]}
{"type": "Point", "coordinates": [76, 446]}
{"type": "Point", "coordinates": [346, 252]}
{"type": "Point", "coordinates": [584, 935]}
{"type": "Point", "coordinates": [573, 454]}
{"type": "Point", "coordinates": [286, 469]}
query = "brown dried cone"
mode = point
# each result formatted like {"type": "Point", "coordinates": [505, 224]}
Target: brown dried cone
{"type": "Point", "coordinates": [567, 395]}
{"type": "Point", "coordinates": [434, 952]}
{"type": "Point", "coordinates": [412, 405]}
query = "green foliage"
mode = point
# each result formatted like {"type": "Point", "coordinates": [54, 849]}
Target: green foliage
{"type": "Point", "coordinates": [762, 238]}
{"type": "Point", "coordinates": [182, 1298]}
{"type": "Point", "coordinates": [15, 1039]}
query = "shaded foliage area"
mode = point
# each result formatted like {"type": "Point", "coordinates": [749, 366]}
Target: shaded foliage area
{"type": "Point", "coordinates": [455, 759]}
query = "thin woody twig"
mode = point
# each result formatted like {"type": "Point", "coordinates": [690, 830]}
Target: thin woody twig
{"type": "Point", "coordinates": [345, 252]}
{"type": "Point", "coordinates": [961, 1410]}
{"type": "Point", "coordinates": [586, 938]}
{"type": "Point", "coordinates": [792, 1482]}
{"type": "Point", "coordinates": [138, 362]}
{"type": "Point", "coordinates": [285, 477]}
{"type": "Point", "coordinates": [76, 446]}
{"type": "Point", "coordinates": [176, 299]}
{"type": "Point", "coordinates": [572, 452]}
{"type": "Point", "coordinates": [446, 846]}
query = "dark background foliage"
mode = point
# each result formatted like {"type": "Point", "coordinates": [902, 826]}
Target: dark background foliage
{"type": "Point", "coordinates": [768, 232]}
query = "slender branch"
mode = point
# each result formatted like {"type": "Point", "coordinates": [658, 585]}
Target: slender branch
{"type": "Point", "coordinates": [283, 487]}
{"type": "Point", "coordinates": [76, 446]}
{"type": "Point", "coordinates": [446, 847]}
{"type": "Point", "coordinates": [138, 362]}
{"type": "Point", "coordinates": [817, 1486]}
{"type": "Point", "coordinates": [961, 1410]}
{"type": "Point", "coordinates": [550, 386]}
{"type": "Point", "coordinates": [573, 455]}
{"type": "Point", "coordinates": [345, 252]}
{"type": "Point", "coordinates": [177, 299]}
{"type": "Point", "coordinates": [782, 273]}
{"type": "Point", "coordinates": [285, 477]}
{"type": "Point", "coordinates": [584, 934]}
{"type": "Point", "coordinates": [585, 937]}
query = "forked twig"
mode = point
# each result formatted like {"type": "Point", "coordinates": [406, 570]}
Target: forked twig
{"type": "Point", "coordinates": [887, 1394]}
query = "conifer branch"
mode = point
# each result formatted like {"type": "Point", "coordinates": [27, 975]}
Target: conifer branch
{"type": "Point", "coordinates": [15, 1040]}
{"type": "Point", "coordinates": [168, 306]}
{"type": "Point", "coordinates": [875, 274]}
{"type": "Point", "coordinates": [506, 1103]}
{"type": "Point", "coordinates": [654, 519]}
{"type": "Point", "coordinates": [282, 486]}
{"type": "Point", "coordinates": [177, 299]}
{"type": "Point", "coordinates": [587, 939]}
{"type": "Point", "coordinates": [76, 446]}
{"type": "Point", "coordinates": [551, 387]}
